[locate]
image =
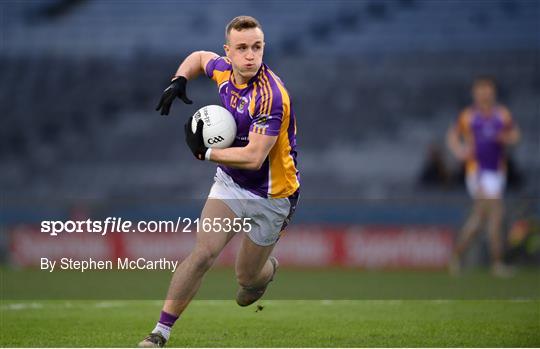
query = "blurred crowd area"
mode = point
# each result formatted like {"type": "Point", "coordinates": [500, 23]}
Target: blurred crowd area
{"type": "Point", "coordinates": [375, 85]}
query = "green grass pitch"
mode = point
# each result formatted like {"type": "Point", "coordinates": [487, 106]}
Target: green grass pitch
{"type": "Point", "coordinates": [338, 322]}
{"type": "Point", "coordinates": [287, 323]}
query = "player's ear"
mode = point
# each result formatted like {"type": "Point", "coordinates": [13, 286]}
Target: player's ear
{"type": "Point", "coordinates": [226, 49]}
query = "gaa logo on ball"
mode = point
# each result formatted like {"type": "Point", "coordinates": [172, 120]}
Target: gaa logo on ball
{"type": "Point", "coordinates": [215, 140]}
{"type": "Point", "coordinates": [219, 130]}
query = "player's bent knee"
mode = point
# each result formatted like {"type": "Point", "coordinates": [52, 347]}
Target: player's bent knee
{"type": "Point", "coordinates": [203, 258]}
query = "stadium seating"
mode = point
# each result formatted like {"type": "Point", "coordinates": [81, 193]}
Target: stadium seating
{"type": "Point", "coordinates": [375, 80]}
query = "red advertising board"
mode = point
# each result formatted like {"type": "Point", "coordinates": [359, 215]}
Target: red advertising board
{"type": "Point", "coordinates": [369, 247]}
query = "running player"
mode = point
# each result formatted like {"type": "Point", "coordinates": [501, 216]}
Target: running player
{"type": "Point", "coordinates": [479, 138]}
{"type": "Point", "coordinates": [257, 177]}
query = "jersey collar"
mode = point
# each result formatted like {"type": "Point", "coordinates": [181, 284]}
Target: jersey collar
{"type": "Point", "coordinates": [249, 83]}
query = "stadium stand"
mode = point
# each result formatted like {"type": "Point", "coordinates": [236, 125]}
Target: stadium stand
{"type": "Point", "coordinates": [378, 80]}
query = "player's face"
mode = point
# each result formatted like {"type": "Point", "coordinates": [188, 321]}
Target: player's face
{"type": "Point", "coordinates": [484, 94]}
{"type": "Point", "coordinates": [245, 50]}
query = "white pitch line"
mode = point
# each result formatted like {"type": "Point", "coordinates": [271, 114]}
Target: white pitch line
{"type": "Point", "coordinates": [22, 306]}
{"type": "Point", "coordinates": [220, 302]}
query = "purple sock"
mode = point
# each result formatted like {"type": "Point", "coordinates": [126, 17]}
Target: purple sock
{"type": "Point", "coordinates": [167, 319]}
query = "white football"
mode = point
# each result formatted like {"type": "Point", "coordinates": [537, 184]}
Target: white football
{"type": "Point", "coordinates": [219, 128]}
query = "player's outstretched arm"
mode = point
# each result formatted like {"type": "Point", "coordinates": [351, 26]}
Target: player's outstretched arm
{"type": "Point", "coordinates": [189, 69]}
{"type": "Point", "coordinates": [194, 64]}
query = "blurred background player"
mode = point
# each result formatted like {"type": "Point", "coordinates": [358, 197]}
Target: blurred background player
{"type": "Point", "coordinates": [479, 138]}
{"type": "Point", "coordinates": [256, 178]}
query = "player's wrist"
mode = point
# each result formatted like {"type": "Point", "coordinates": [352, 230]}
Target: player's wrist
{"type": "Point", "coordinates": [207, 154]}
{"type": "Point", "coordinates": [179, 78]}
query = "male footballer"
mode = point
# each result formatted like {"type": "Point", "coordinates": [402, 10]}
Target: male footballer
{"type": "Point", "coordinates": [479, 138]}
{"type": "Point", "coordinates": [256, 179]}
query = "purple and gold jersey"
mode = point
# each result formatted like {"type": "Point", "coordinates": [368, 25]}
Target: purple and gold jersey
{"type": "Point", "coordinates": [263, 106]}
{"type": "Point", "coordinates": [482, 132]}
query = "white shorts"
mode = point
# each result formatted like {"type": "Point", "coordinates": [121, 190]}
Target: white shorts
{"type": "Point", "coordinates": [484, 184]}
{"type": "Point", "coordinates": [268, 217]}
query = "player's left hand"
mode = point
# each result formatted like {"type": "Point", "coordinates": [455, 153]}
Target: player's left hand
{"type": "Point", "coordinates": [195, 140]}
{"type": "Point", "coordinates": [177, 88]}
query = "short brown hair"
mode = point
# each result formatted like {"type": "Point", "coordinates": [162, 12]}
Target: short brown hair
{"type": "Point", "coordinates": [240, 23]}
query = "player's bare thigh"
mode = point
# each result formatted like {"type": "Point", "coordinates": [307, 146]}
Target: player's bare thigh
{"type": "Point", "coordinates": [213, 240]}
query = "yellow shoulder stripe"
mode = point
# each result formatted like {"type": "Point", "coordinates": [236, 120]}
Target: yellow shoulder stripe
{"type": "Point", "coordinates": [270, 95]}
{"type": "Point", "coordinates": [264, 95]}
{"type": "Point", "coordinates": [220, 76]}
{"type": "Point", "coordinates": [253, 99]}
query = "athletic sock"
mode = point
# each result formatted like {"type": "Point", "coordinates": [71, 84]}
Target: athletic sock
{"type": "Point", "coordinates": [165, 324]}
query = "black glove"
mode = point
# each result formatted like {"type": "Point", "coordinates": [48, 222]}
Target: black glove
{"type": "Point", "coordinates": [195, 140]}
{"type": "Point", "coordinates": [177, 88]}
